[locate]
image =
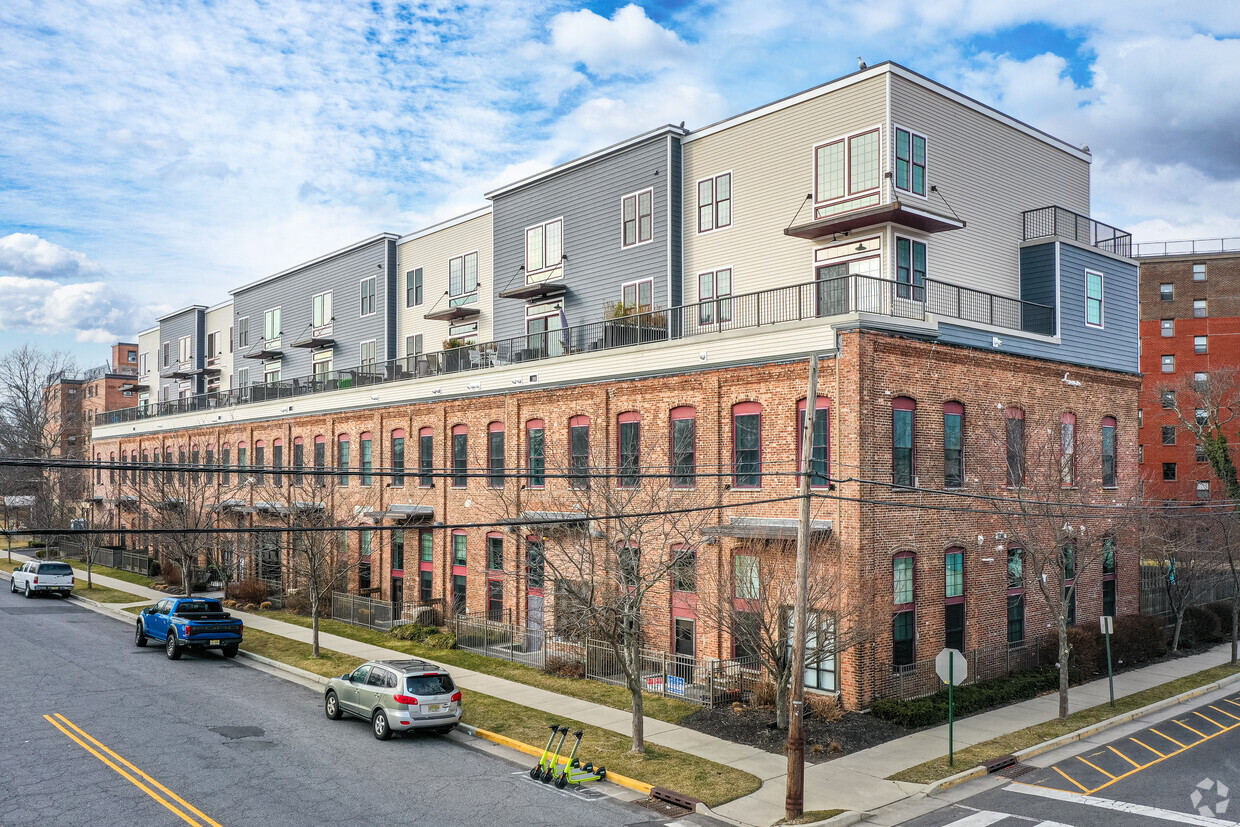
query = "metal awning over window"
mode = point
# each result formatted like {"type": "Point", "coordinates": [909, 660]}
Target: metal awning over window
{"type": "Point", "coordinates": [408, 513]}
{"type": "Point", "coordinates": [906, 215]}
{"type": "Point", "coordinates": [548, 521]}
{"type": "Point", "coordinates": [766, 528]}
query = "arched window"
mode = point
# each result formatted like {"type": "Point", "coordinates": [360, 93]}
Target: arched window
{"type": "Point", "coordinates": [260, 460]}
{"type": "Point", "coordinates": [904, 596]}
{"type": "Point", "coordinates": [277, 461]}
{"type": "Point", "coordinates": [367, 457]}
{"type": "Point", "coordinates": [226, 464]}
{"type": "Point", "coordinates": [299, 460]}
{"type": "Point", "coordinates": [747, 445]}
{"type": "Point", "coordinates": [459, 560]}
{"type": "Point", "coordinates": [953, 445]}
{"type": "Point", "coordinates": [903, 454]}
{"type": "Point", "coordinates": [320, 458]}
{"type": "Point", "coordinates": [579, 451]}
{"type": "Point", "coordinates": [1015, 426]}
{"type": "Point", "coordinates": [628, 448]}
{"type": "Point", "coordinates": [953, 599]}
{"type": "Point", "coordinates": [683, 446]}
{"type": "Point", "coordinates": [398, 457]}
{"type": "Point", "coordinates": [342, 459]}
{"type": "Point", "coordinates": [820, 452]}
{"type": "Point", "coordinates": [426, 457]}
{"type": "Point", "coordinates": [1067, 450]}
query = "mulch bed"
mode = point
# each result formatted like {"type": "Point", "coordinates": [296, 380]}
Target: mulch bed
{"type": "Point", "coordinates": [824, 740]}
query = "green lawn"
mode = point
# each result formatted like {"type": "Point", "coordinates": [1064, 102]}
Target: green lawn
{"type": "Point", "coordinates": [970, 757]}
{"type": "Point", "coordinates": [117, 574]}
{"type": "Point", "coordinates": [655, 706]}
{"type": "Point", "coordinates": [102, 594]}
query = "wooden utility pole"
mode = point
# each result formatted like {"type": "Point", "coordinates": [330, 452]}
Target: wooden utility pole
{"type": "Point", "coordinates": [794, 797]}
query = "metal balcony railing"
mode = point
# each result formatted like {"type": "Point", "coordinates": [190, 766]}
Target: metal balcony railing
{"type": "Point", "coordinates": [815, 299]}
{"type": "Point", "coordinates": [1046, 222]}
{"type": "Point", "coordinates": [1186, 248]}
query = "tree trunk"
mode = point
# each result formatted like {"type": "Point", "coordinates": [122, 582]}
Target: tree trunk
{"type": "Point", "coordinates": [314, 630]}
{"type": "Point", "coordinates": [1063, 667]}
{"type": "Point", "coordinates": [1175, 635]}
{"type": "Point", "coordinates": [187, 585]}
{"type": "Point", "coordinates": [632, 656]}
{"type": "Point", "coordinates": [781, 702]}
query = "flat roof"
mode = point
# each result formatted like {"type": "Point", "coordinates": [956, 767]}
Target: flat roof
{"type": "Point", "coordinates": [445, 224]}
{"type": "Point", "coordinates": [313, 261]}
{"type": "Point", "coordinates": [201, 307]}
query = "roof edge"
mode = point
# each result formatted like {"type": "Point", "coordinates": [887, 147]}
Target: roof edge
{"type": "Point", "coordinates": [445, 224]}
{"type": "Point", "coordinates": [319, 260]}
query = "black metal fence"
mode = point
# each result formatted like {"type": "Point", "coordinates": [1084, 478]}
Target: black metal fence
{"type": "Point", "coordinates": [916, 680]}
{"type": "Point", "coordinates": [1046, 222]}
{"type": "Point", "coordinates": [1195, 246]}
{"type": "Point", "coordinates": [1155, 600]}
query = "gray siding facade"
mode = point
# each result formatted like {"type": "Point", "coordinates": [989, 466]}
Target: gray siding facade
{"type": "Point", "coordinates": [293, 291]}
{"type": "Point", "coordinates": [1037, 273]}
{"type": "Point", "coordinates": [588, 197]}
{"type": "Point", "coordinates": [172, 328]}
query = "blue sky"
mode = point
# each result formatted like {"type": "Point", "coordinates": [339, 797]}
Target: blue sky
{"type": "Point", "coordinates": [156, 154]}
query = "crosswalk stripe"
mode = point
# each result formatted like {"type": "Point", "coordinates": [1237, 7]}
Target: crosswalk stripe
{"type": "Point", "coordinates": [981, 818]}
{"type": "Point", "coordinates": [1051, 824]}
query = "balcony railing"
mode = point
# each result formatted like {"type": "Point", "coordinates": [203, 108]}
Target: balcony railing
{"type": "Point", "coordinates": [1186, 248]}
{"type": "Point", "coordinates": [1046, 222]}
{"type": "Point", "coordinates": [815, 299]}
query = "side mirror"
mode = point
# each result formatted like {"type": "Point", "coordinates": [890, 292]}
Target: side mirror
{"type": "Point", "coordinates": [346, 676]}
{"type": "Point", "coordinates": [148, 610]}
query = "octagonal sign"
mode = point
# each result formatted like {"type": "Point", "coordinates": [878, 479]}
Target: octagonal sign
{"type": "Point", "coordinates": [953, 660]}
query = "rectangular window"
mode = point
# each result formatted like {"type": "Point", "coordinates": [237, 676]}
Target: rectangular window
{"type": "Point", "coordinates": [630, 459]}
{"type": "Point", "coordinates": [1166, 292]}
{"type": "Point", "coordinates": [745, 572]}
{"type": "Point", "coordinates": [462, 277]}
{"type": "Point", "coordinates": [368, 296]}
{"type": "Point", "coordinates": [1168, 435]}
{"type": "Point", "coordinates": [579, 455]}
{"type": "Point", "coordinates": [260, 462]}
{"type": "Point", "coordinates": [902, 446]}
{"type": "Point", "coordinates": [637, 222]}
{"type": "Point", "coordinates": [272, 330]}
{"type": "Point", "coordinates": [1167, 399]}
{"type": "Point", "coordinates": [953, 447]}
{"type": "Point", "coordinates": [413, 345]}
{"type": "Point", "coordinates": [953, 626]}
{"type": "Point", "coordinates": [1067, 451]}
{"type": "Point", "coordinates": [1199, 272]}
{"type": "Point", "coordinates": [747, 449]}
{"type": "Point", "coordinates": [1167, 328]}
{"type": "Point", "coordinates": [398, 460]}
{"type": "Point", "coordinates": [1168, 469]}
{"type": "Point", "coordinates": [715, 203]}
{"type": "Point", "coordinates": [1200, 344]}
{"type": "Point", "coordinates": [902, 640]}
{"type": "Point", "coordinates": [460, 469]}
{"type": "Point", "coordinates": [425, 585]}
{"type": "Point", "coordinates": [910, 269]}
{"type": "Point", "coordinates": [321, 310]}
{"type": "Point", "coordinates": [715, 296]}
{"type": "Point", "coordinates": [495, 553]}
{"type": "Point", "coordinates": [954, 575]}
{"type": "Point", "coordinates": [243, 377]}
{"type": "Point", "coordinates": [684, 570]}
{"type": "Point", "coordinates": [819, 454]}
{"type": "Point", "coordinates": [495, 458]}
{"type": "Point", "coordinates": [413, 287]}
{"type": "Point", "coordinates": [684, 448]}
{"type": "Point", "coordinates": [426, 545]}
{"type": "Point", "coordinates": [902, 580]}
{"type": "Point", "coordinates": [458, 593]}
{"type": "Point", "coordinates": [342, 460]}
{"type": "Point", "coordinates": [1093, 298]}
{"type": "Point", "coordinates": [458, 549]}
{"type": "Point", "coordinates": [1203, 489]}
{"type": "Point", "coordinates": [369, 353]}
{"type": "Point", "coordinates": [637, 297]}
{"type": "Point", "coordinates": [910, 162]}
{"type": "Point", "coordinates": [537, 458]}
{"type": "Point", "coordinates": [426, 459]}
{"type": "Point", "coordinates": [1201, 416]}
{"type": "Point", "coordinates": [1015, 450]}
{"type": "Point", "coordinates": [1016, 618]}
{"type": "Point", "coordinates": [495, 600]}
{"type": "Point", "coordinates": [367, 461]}
{"type": "Point", "coordinates": [241, 461]}
{"type": "Point", "coordinates": [1199, 309]}
{"type": "Point", "coordinates": [1199, 454]}
{"type": "Point", "coordinates": [535, 565]}
{"type": "Point", "coordinates": [544, 246]}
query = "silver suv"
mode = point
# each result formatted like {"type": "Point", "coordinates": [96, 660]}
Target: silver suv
{"type": "Point", "coordinates": [396, 696]}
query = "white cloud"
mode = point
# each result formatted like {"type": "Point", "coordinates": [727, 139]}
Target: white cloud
{"type": "Point", "coordinates": [91, 310]}
{"type": "Point", "coordinates": [26, 254]}
{"type": "Point", "coordinates": [628, 43]}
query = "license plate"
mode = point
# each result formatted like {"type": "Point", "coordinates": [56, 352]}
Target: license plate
{"type": "Point", "coordinates": [215, 643]}
{"type": "Point", "coordinates": [437, 708]}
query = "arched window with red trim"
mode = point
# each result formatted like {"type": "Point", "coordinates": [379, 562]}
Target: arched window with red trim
{"type": "Point", "coordinates": [628, 448]}
{"type": "Point", "coordinates": [342, 459]}
{"type": "Point", "coordinates": [682, 448]}
{"type": "Point", "coordinates": [460, 456]}
{"type": "Point", "coordinates": [579, 451]}
{"type": "Point", "coordinates": [903, 450]}
{"type": "Point", "coordinates": [747, 445]}
{"type": "Point", "coordinates": [953, 445]}
{"type": "Point", "coordinates": [112, 467]}
{"type": "Point", "coordinates": [277, 461]}
{"type": "Point", "coordinates": [459, 571]}
{"type": "Point", "coordinates": [904, 618]}
{"type": "Point", "coordinates": [953, 599]}
{"type": "Point", "coordinates": [536, 452]}
{"type": "Point", "coordinates": [495, 454]}
{"type": "Point", "coordinates": [820, 452]}
{"type": "Point", "coordinates": [426, 457]}
{"type": "Point", "coordinates": [260, 460]}
{"type": "Point", "coordinates": [366, 442]}
{"type": "Point", "coordinates": [320, 458]}
{"type": "Point", "coordinates": [1067, 450]}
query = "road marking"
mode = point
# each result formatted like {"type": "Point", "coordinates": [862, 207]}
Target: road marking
{"type": "Point", "coordinates": [1225, 712]}
{"type": "Point", "coordinates": [1169, 738]}
{"type": "Point", "coordinates": [1070, 778]}
{"type": "Point", "coordinates": [1118, 806]}
{"type": "Point", "coordinates": [111, 759]}
{"type": "Point", "coordinates": [1125, 757]}
{"type": "Point", "coordinates": [1230, 701]}
{"type": "Point", "coordinates": [981, 818]}
{"type": "Point", "coordinates": [1095, 766]}
{"type": "Point", "coordinates": [1211, 720]}
{"type": "Point", "coordinates": [1151, 749]}
{"type": "Point", "coordinates": [1190, 729]}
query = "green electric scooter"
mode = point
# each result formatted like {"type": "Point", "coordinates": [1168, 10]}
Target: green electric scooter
{"type": "Point", "coordinates": [544, 770]}
{"type": "Point", "coordinates": [574, 774]}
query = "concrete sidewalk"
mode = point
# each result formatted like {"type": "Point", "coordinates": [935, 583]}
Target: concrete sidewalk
{"type": "Point", "coordinates": [852, 782]}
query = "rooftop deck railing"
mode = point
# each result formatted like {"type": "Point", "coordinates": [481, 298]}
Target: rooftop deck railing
{"type": "Point", "coordinates": [1046, 222]}
{"type": "Point", "coordinates": [1186, 248]}
{"type": "Point", "coordinates": [815, 299]}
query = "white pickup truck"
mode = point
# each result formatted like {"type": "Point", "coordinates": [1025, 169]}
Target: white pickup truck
{"type": "Point", "coordinates": [43, 576]}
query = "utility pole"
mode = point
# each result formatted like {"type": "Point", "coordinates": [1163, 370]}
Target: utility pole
{"type": "Point", "coordinates": [794, 797]}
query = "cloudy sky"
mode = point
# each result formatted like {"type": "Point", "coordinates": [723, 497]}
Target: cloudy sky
{"type": "Point", "coordinates": [154, 154]}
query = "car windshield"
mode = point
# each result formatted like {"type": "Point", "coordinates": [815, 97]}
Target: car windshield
{"type": "Point", "coordinates": [55, 568]}
{"type": "Point", "coordinates": [199, 606]}
{"type": "Point", "coordinates": [429, 684]}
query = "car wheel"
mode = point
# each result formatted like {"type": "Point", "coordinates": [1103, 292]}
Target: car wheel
{"type": "Point", "coordinates": [13, 586]}
{"type": "Point", "coordinates": [379, 725]}
{"type": "Point", "coordinates": [230, 650]}
{"type": "Point", "coordinates": [29, 594]}
{"type": "Point", "coordinates": [171, 648]}
{"type": "Point", "coordinates": [139, 635]}
{"type": "Point", "coordinates": [331, 706]}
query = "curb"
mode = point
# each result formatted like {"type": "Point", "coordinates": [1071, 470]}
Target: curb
{"type": "Point", "coordinates": [1085, 732]}
{"type": "Point", "coordinates": [505, 741]}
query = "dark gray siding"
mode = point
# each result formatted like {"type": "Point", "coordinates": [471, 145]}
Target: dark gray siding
{"type": "Point", "coordinates": [676, 242]}
{"type": "Point", "coordinates": [189, 322]}
{"type": "Point", "coordinates": [588, 198]}
{"type": "Point", "coordinates": [294, 293]}
{"type": "Point", "coordinates": [1112, 347]}
{"type": "Point", "coordinates": [1037, 273]}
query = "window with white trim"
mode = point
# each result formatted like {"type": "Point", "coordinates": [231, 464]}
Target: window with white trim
{"type": "Point", "coordinates": [463, 279]}
{"type": "Point", "coordinates": [243, 331]}
{"type": "Point", "coordinates": [637, 218]}
{"type": "Point", "coordinates": [413, 287]}
{"type": "Point", "coordinates": [369, 353]}
{"type": "Point", "coordinates": [1093, 299]}
{"type": "Point", "coordinates": [321, 362]}
{"type": "Point", "coordinates": [368, 296]}
{"type": "Point", "coordinates": [271, 327]}
{"type": "Point", "coordinates": [544, 246]}
{"type": "Point", "coordinates": [637, 296]}
{"type": "Point", "coordinates": [910, 172]}
{"type": "Point", "coordinates": [1199, 309]}
{"type": "Point", "coordinates": [186, 349]}
{"type": "Point", "coordinates": [715, 203]}
{"type": "Point", "coordinates": [1167, 327]}
{"type": "Point", "coordinates": [321, 310]}
{"type": "Point", "coordinates": [715, 296]}
{"type": "Point", "coordinates": [910, 269]}
{"type": "Point", "coordinates": [1200, 344]}
{"type": "Point", "coordinates": [1199, 272]}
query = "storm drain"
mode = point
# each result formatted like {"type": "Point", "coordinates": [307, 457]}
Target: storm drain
{"type": "Point", "coordinates": [1015, 771]}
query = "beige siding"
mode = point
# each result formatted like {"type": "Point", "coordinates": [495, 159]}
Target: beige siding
{"type": "Point", "coordinates": [148, 344]}
{"type": "Point", "coordinates": [219, 320]}
{"type": "Point", "coordinates": [989, 172]}
{"type": "Point", "coordinates": [772, 163]}
{"type": "Point", "coordinates": [432, 252]}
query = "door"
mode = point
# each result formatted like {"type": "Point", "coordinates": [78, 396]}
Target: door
{"type": "Point", "coordinates": [832, 289]}
{"type": "Point", "coordinates": [398, 597]}
{"type": "Point", "coordinates": [348, 692]}
{"type": "Point", "coordinates": [534, 623]}
{"type": "Point", "coordinates": [369, 695]}
{"type": "Point", "coordinates": [685, 647]}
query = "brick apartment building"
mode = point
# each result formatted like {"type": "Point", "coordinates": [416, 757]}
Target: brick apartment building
{"type": "Point", "coordinates": [649, 306]}
{"type": "Point", "coordinates": [1190, 326]}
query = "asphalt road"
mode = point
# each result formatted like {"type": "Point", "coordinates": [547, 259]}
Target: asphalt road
{"type": "Point", "coordinates": [1180, 766]}
{"type": "Point", "coordinates": [229, 744]}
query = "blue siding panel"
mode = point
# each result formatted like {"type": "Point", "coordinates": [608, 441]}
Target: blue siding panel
{"type": "Point", "coordinates": [1037, 274]}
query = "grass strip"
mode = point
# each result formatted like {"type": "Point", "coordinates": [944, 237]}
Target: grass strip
{"type": "Point", "coordinates": [688, 774]}
{"type": "Point", "coordinates": [812, 816]}
{"type": "Point", "coordinates": [102, 594]}
{"type": "Point", "coordinates": [932, 771]}
{"type": "Point", "coordinates": [117, 574]}
{"type": "Point", "coordinates": [615, 697]}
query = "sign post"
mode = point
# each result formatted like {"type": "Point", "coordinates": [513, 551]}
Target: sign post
{"type": "Point", "coordinates": [1108, 626]}
{"type": "Point", "coordinates": [952, 668]}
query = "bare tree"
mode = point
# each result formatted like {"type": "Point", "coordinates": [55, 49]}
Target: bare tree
{"type": "Point", "coordinates": [1054, 494]}
{"type": "Point", "coordinates": [1183, 547]}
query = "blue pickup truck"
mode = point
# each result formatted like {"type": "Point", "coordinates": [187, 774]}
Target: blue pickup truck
{"type": "Point", "coordinates": [189, 623]}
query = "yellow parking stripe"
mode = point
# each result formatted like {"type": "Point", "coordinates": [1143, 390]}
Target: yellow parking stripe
{"type": "Point", "coordinates": [1151, 749]}
{"type": "Point", "coordinates": [1125, 757]}
{"type": "Point", "coordinates": [1095, 766]}
{"type": "Point", "coordinates": [1230, 701]}
{"type": "Point", "coordinates": [1070, 778]}
{"type": "Point", "coordinates": [1211, 720]}
{"type": "Point", "coordinates": [106, 755]}
{"type": "Point", "coordinates": [1190, 729]}
{"type": "Point", "coordinates": [1169, 738]}
{"type": "Point", "coordinates": [1225, 712]}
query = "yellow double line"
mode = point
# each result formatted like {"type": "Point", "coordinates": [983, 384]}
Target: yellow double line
{"type": "Point", "coordinates": [187, 812]}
